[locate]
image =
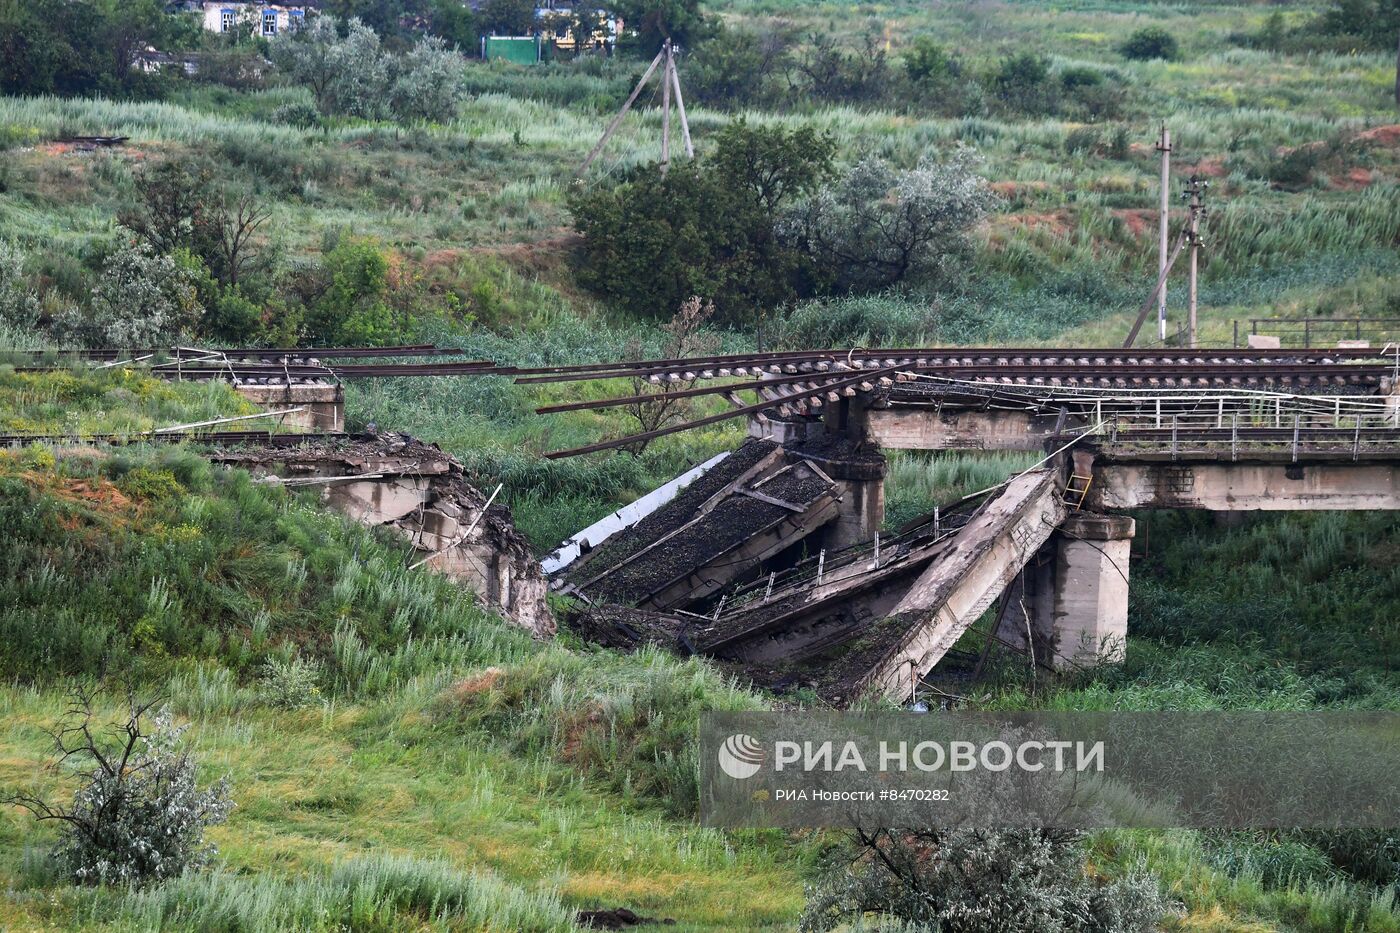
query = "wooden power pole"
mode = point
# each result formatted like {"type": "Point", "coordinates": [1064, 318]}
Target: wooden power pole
{"type": "Point", "coordinates": [1164, 146]}
{"type": "Point", "coordinates": [670, 82]}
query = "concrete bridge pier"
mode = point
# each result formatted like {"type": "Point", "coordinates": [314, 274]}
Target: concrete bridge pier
{"type": "Point", "coordinates": [323, 406]}
{"type": "Point", "coordinates": [1072, 598]}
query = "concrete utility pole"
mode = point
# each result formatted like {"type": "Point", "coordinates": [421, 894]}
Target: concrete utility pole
{"type": "Point", "coordinates": [1195, 190]}
{"type": "Point", "coordinates": [1164, 146]}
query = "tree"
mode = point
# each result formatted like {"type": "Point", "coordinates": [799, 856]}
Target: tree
{"type": "Point", "coordinates": [352, 75]}
{"type": "Point", "coordinates": [309, 57]}
{"type": "Point", "coordinates": [836, 73]}
{"type": "Point", "coordinates": [975, 880]}
{"type": "Point", "coordinates": [681, 21]}
{"type": "Point", "coordinates": [182, 206]}
{"type": "Point", "coordinates": [508, 17]}
{"type": "Point", "coordinates": [61, 47]}
{"type": "Point", "coordinates": [142, 299]}
{"type": "Point", "coordinates": [428, 82]}
{"type": "Point", "coordinates": [1150, 42]}
{"type": "Point", "coordinates": [706, 228]}
{"type": "Point", "coordinates": [738, 67]}
{"type": "Point", "coordinates": [139, 816]}
{"type": "Point", "coordinates": [1022, 82]}
{"type": "Point", "coordinates": [880, 227]}
{"type": "Point", "coordinates": [453, 22]}
{"type": "Point", "coordinates": [657, 406]}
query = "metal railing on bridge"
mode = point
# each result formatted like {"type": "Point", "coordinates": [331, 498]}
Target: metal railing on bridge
{"type": "Point", "coordinates": [1319, 332]}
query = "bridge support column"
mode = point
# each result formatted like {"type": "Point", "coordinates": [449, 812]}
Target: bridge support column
{"type": "Point", "coordinates": [323, 406]}
{"type": "Point", "coordinates": [1072, 597]}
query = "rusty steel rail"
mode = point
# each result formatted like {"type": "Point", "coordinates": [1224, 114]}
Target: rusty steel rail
{"type": "Point", "coordinates": [244, 353]}
{"type": "Point", "coordinates": [216, 438]}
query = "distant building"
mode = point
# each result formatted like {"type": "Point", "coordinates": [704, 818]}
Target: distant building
{"type": "Point", "coordinates": [258, 18]}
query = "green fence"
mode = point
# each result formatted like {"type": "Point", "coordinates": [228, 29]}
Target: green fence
{"type": "Point", "coordinates": [523, 50]}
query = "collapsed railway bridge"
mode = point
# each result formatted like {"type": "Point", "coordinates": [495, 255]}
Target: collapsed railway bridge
{"type": "Point", "coordinates": [771, 558]}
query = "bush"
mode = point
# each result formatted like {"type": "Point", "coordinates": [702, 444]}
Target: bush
{"type": "Point", "coordinates": [139, 816]}
{"type": "Point", "coordinates": [1022, 82]}
{"type": "Point", "coordinates": [880, 227]}
{"type": "Point", "coordinates": [1149, 43]}
{"type": "Point", "coordinates": [973, 881]}
{"type": "Point", "coordinates": [19, 303]}
{"type": "Point", "coordinates": [290, 683]}
{"type": "Point", "coordinates": [142, 299]}
{"type": "Point", "coordinates": [705, 228]}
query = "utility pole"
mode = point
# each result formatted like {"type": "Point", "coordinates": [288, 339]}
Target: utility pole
{"type": "Point", "coordinates": [1164, 146]}
{"type": "Point", "coordinates": [670, 83]}
{"type": "Point", "coordinates": [666, 82]}
{"type": "Point", "coordinates": [1195, 191]}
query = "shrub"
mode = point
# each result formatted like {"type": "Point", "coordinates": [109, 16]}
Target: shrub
{"type": "Point", "coordinates": [290, 683]}
{"type": "Point", "coordinates": [139, 815]}
{"type": "Point", "coordinates": [972, 881]}
{"type": "Point", "coordinates": [705, 228]}
{"type": "Point", "coordinates": [1022, 82]}
{"type": "Point", "coordinates": [353, 75]}
{"type": "Point", "coordinates": [19, 303]}
{"type": "Point", "coordinates": [881, 227]}
{"type": "Point", "coordinates": [1148, 43]}
{"type": "Point", "coordinates": [142, 299]}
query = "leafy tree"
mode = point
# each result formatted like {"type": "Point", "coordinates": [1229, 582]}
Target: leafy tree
{"type": "Point", "coordinates": [1022, 82]}
{"type": "Point", "coordinates": [738, 67]}
{"type": "Point", "coordinates": [1150, 42]}
{"type": "Point", "coordinates": [927, 61]}
{"type": "Point", "coordinates": [141, 299]}
{"type": "Point", "coordinates": [880, 227]}
{"type": "Point", "coordinates": [453, 22]}
{"type": "Point", "coordinates": [428, 82]}
{"type": "Point", "coordinates": [352, 75]}
{"type": "Point", "coordinates": [62, 47]}
{"type": "Point", "coordinates": [975, 880]}
{"type": "Point", "coordinates": [655, 21]}
{"type": "Point", "coordinates": [508, 17]}
{"type": "Point", "coordinates": [139, 816]}
{"type": "Point", "coordinates": [706, 228]}
{"type": "Point", "coordinates": [352, 307]}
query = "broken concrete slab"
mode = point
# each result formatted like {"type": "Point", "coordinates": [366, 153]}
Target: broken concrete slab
{"type": "Point", "coordinates": [398, 482]}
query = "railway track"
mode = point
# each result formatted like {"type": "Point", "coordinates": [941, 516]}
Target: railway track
{"type": "Point", "coordinates": [216, 438]}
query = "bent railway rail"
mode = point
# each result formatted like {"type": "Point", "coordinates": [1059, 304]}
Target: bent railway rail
{"type": "Point", "coordinates": [802, 382]}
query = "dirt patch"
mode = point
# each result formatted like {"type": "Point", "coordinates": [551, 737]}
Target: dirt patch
{"type": "Point", "coordinates": [1056, 223]}
{"type": "Point", "coordinates": [619, 918]}
{"type": "Point", "coordinates": [1011, 189]}
{"type": "Point", "coordinates": [473, 686]}
{"type": "Point", "coordinates": [1206, 168]}
{"type": "Point", "coordinates": [1353, 180]}
{"type": "Point", "coordinates": [1381, 136]}
{"type": "Point", "coordinates": [1140, 222]}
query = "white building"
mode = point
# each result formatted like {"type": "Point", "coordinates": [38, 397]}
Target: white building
{"type": "Point", "coordinates": [259, 18]}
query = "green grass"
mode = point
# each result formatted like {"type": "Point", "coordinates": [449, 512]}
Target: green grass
{"type": "Point", "coordinates": [448, 735]}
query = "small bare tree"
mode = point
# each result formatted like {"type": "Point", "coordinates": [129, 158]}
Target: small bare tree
{"type": "Point", "coordinates": [235, 227]}
{"type": "Point", "coordinates": [138, 816]}
{"type": "Point", "coordinates": [656, 405]}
